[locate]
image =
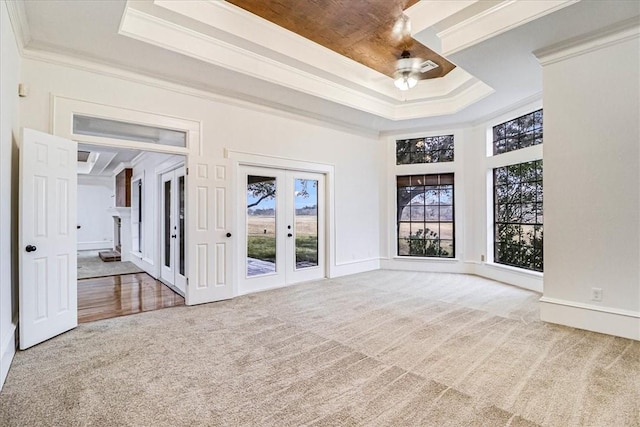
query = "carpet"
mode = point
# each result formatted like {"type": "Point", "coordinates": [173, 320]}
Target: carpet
{"type": "Point", "coordinates": [379, 348]}
{"type": "Point", "coordinates": [90, 265]}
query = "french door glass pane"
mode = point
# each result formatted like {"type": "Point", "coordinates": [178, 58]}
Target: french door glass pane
{"type": "Point", "coordinates": [167, 223]}
{"type": "Point", "coordinates": [306, 222]}
{"type": "Point", "coordinates": [261, 225]}
{"type": "Point", "coordinates": [139, 202]}
{"type": "Point", "coordinates": [181, 222]}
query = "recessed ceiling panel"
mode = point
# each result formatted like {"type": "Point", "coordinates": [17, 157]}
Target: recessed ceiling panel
{"type": "Point", "coordinates": [358, 29]}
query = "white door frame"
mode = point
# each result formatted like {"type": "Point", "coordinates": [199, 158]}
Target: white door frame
{"type": "Point", "coordinates": [239, 158]}
{"type": "Point", "coordinates": [285, 269]}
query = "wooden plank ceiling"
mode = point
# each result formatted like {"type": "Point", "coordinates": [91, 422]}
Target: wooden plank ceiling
{"type": "Point", "coordinates": [358, 29]}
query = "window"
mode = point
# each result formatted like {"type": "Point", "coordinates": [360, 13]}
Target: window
{"type": "Point", "coordinates": [518, 215]}
{"type": "Point", "coordinates": [432, 149]}
{"type": "Point", "coordinates": [107, 128]}
{"type": "Point", "coordinates": [425, 215]}
{"type": "Point", "coordinates": [522, 132]}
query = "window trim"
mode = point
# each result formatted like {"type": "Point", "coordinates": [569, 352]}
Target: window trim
{"type": "Point", "coordinates": [409, 140]}
{"type": "Point", "coordinates": [521, 224]}
{"type": "Point", "coordinates": [520, 116]}
{"type": "Point", "coordinates": [531, 153]}
{"type": "Point", "coordinates": [453, 221]}
{"type": "Point", "coordinates": [393, 170]}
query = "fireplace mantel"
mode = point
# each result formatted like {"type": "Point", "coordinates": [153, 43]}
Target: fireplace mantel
{"type": "Point", "coordinates": [122, 231]}
{"type": "Point", "coordinates": [120, 212]}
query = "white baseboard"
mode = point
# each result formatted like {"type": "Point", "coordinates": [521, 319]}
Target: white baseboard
{"type": "Point", "coordinates": [606, 320]}
{"type": "Point", "coordinates": [435, 265]}
{"type": "Point", "coordinates": [7, 352]}
{"type": "Point", "coordinates": [93, 246]}
{"type": "Point", "coordinates": [513, 276]}
{"type": "Point", "coordinates": [521, 278]}
{"type": "Point", "coordinates": [354, 267]}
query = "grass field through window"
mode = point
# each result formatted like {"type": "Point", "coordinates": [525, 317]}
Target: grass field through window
{"type": "Point", "coordinates": [261, 238]}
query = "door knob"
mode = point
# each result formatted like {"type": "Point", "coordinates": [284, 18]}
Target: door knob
{"type": "Point", "coordinates": [228, 234]}
{"type": "Point", "coordinates": [289, 235]}
{"type": "Point", "coordinates": [173, 236]}
{"type": "Point", "coordinates": [30, 248]}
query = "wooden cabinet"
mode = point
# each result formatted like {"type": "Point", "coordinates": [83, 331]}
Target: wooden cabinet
{"type": "Point", "coordinates": [123, 188]}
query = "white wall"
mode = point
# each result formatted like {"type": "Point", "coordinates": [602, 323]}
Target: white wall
{"type": "Point", "coordinates": [230, 125]}
{"type": "Point", "coordinates": [592, 185]}
{"type": "Point", "coordinates": [95, 203]}
{"type": "Point", "coordinates": [10, 63]}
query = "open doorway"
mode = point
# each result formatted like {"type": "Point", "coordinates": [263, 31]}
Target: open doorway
{"type": "Point", "coordinates": [124, 231]}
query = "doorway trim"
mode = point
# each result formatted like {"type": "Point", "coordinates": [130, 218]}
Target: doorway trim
{"type": "Point", "coordinates": [63, 111]}
{"type": "Point", "coordinates": [239, 158]}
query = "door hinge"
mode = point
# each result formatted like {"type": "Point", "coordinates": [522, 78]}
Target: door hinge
{"type": "Point", "coordinates": [187, 171]}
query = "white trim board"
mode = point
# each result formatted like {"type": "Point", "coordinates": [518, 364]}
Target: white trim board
{"type": "Point", "coordinates": [7, 352]}
{"type": "Point", "coordinates": [510, 276]}
{"type": "Point", "coordinates": [355, 267]}
{"type": "Point", "coordinates": [619, 33]}
{"type": "Point", "coordinates": [621, 323]}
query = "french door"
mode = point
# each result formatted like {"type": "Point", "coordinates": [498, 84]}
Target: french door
{"type": "Point", "coordinates": [284, 228]}
{"type": "Point", "coordinates": [172, 208]}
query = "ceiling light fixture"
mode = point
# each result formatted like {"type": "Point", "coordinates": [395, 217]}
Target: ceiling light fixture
{"type": "Point", "coordinates": [407, 71]}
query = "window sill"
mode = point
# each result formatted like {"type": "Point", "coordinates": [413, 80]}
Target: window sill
{"type": "Point", "coordinates": [422, 259]}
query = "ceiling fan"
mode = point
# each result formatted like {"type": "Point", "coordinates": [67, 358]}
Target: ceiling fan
{"type": "Point", "coordinates": [408, 69]}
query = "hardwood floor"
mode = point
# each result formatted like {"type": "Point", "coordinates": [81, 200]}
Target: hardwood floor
{"type": "Point", "coordinates": [114, 296]}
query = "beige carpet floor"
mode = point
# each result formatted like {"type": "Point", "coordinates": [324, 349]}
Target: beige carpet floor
{"type": "Point", "coordinates": [373, 349]}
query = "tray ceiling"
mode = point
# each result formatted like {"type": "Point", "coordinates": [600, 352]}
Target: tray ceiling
{"type": "Point", "coordinates": [213, 48]}
{"type": "Point", "coordinates": [361, 30]}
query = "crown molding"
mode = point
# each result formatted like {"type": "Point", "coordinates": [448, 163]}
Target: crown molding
{"type": "Point", "coordinates": [528, 104]}
{"type": "Point", "coordinates": [167, 34]}
{"type": "Point", "coordinates": [496, 20]}
{"type": "Point", "coordinates": [19, 22]}
{"type": "Point", "coordinates": [231, 19]}
{"type": "Point", "coordinates": [524, 106]}
{"type": "Point", "coordinates": [176, 38]}
{"type": "Point", "coordinates": [449, 105]}
{"type": "Point", "coordinates": [619, 33]}
{"type": "Point", "coordinates": [238, 100]}
{"type": "Point", "coordinates": [427, 13]}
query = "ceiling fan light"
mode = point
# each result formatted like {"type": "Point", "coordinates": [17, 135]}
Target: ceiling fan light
{"type": "Point", "coordinates": [405, 80]}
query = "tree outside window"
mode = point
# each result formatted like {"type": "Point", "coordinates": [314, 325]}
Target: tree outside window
{"type": "Point", "coordinates": [518, 216]}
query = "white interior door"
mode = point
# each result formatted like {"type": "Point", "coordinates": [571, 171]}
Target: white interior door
{"type": "Point", "coordinates": [173, 215]}
{"type": "Point", "coordinates": [47, 238]}
{"type": "Point", "coordinates": [211, 219]}
{"type": "Point", "coordinates": [283, 237]}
